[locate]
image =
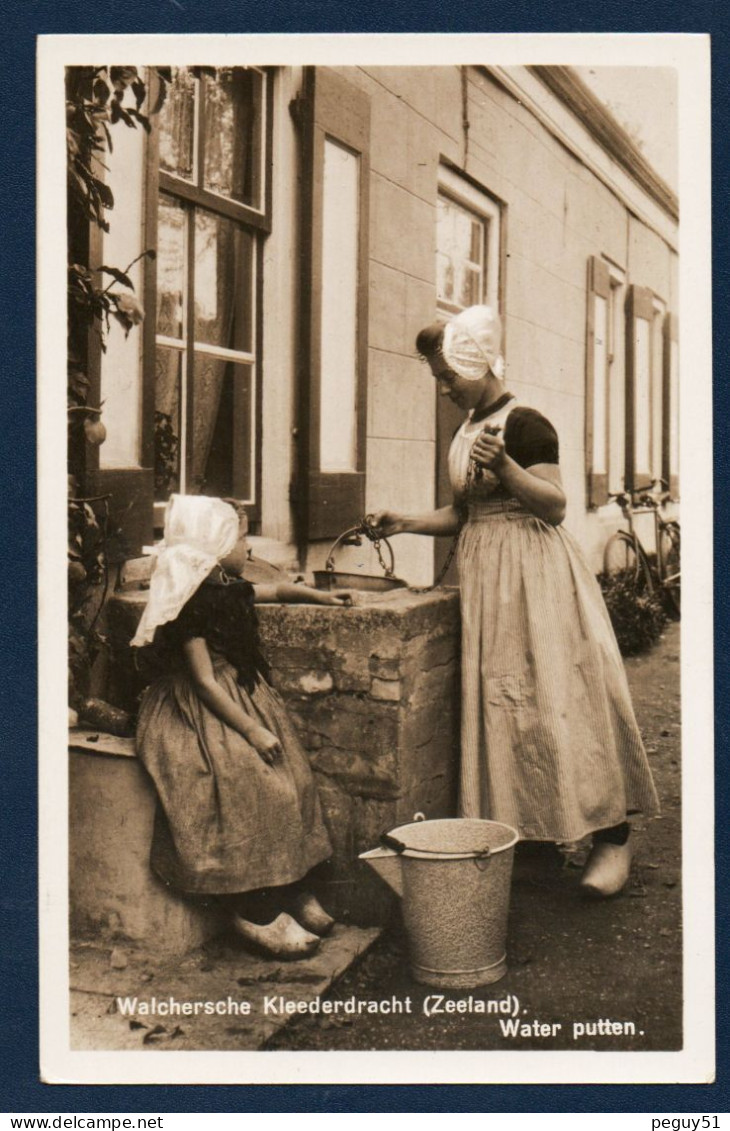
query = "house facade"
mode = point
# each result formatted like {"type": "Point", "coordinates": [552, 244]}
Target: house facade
{"type": "Point", "coordinates": [307, 222]}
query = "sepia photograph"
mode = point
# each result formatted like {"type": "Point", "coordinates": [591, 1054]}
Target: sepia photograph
{"type": "Point", "coordinates": [382, 368]}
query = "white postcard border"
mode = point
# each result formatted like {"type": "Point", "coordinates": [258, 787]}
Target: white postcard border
{"type": "Point", "coordinates": [690, 54]}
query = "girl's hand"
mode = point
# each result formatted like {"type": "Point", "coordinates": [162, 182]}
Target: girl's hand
{"type": "Point", "coordinates": [335, 597]}
{"type": "Point", "coordinates": [266, 744]}
{"type": "Point", "coordinates": [488, 450]}
{"type": "Point", "coordinates": [385, 523]}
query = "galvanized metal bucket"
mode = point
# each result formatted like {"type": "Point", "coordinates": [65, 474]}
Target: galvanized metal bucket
{"type": "Point", "coordinates": [454, 880]}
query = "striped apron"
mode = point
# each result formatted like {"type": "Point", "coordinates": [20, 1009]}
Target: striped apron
{"type": "Point", "coordinates": [549, 741]}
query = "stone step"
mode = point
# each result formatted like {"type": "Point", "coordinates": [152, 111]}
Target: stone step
{"type": "Point", "coordinates": [246, 996]}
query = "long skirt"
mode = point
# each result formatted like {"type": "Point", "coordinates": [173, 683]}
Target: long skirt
{"type": "Point", "coordinates": [227, 822]}
{"type": "Point", "coordinates": [549, 741]}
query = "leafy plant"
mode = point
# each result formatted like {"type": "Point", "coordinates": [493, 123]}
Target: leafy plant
{"type": "Point", "coordinates": [87, 570]}
{"type": "Point", "coordinates": [638, 617]}
{"type": "Point", "coordinates": [97, 98]}
{"type": "Point", "coordinates": [167, 446]}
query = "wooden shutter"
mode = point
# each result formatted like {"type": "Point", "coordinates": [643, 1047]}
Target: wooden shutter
{"type": "Point", "coordinates": [670, 420]}
{"type": "Point", "coordinates": [329, 109]}
{"type": "Point", "coordinates": [597, 415]}
{"type": "Point", "coordinates": [640, 315]}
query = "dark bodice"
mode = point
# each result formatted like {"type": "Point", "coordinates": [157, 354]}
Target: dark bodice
{"type": "Point", "coordinates": [529, 437]}
{"type": "Point", "coordinates": [223, 614]}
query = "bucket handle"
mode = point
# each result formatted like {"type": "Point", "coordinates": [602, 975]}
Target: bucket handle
{"type": "Point", "coordinates": [392, 842]}
{"type": "Point", "coordinates": [480, 857]}
{"type": "Point", "coordinates": [353, 537]}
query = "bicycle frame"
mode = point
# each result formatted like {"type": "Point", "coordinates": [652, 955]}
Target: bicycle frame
{"type": "Point", "coordinates": [655, 571]}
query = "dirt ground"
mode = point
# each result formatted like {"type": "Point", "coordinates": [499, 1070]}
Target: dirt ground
{"type": "Point", "coordinates": [582, 975]}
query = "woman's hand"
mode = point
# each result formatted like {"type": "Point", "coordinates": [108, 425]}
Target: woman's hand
{"type": "Point", "coordinates": [386, 523]}
{"type": "Point", "coordinates": [266, 744]}
{"type": "Point", "coordinates": [488, 450]}
{"type": "Point", "coordinates": [334, 597]}
{"type": "Point", "coordinates": [295, 593]}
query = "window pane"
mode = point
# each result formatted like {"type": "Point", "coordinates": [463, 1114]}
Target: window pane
{"type": "Point", "coordinates": [340, 237]}
{"type": "Point", "coordinates": [170, 267]}
{"type": "Point", "coordinates": [168, 386]}
{"type": "Point", "coordinates": [177, 126]}
{"type": "Point", "coordinates": [224, 283]}
{"type": "Point", "coordinates": [471, 286]}
{"type": "Point", "coordinates": [460, 245]}
{"type": "Point", "coordinates": [477, 242]}
{"type": "Point", "coordinates": [222, 428]}
{"type": "Point", "coordinates": [234, 129]}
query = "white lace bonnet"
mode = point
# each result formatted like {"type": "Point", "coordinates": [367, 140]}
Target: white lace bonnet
{"type": "Point", "coordinates": [199, 531]}
{"type": "Point", "coordinates": [472, 343]}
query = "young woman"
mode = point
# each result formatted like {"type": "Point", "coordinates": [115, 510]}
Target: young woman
{"type": "Point", "coordinates": [549, 742]}
{"type": "Point", "coordinates": [238, 815]}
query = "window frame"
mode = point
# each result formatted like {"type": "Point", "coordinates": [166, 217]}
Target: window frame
{"type": "Point", "coordinates": [455, 186]}
{"type": "Point", "coordinates": [258, 222]}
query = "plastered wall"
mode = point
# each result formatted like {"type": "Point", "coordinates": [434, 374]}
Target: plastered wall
{"type": "Point", "coordinates": [556, 214]}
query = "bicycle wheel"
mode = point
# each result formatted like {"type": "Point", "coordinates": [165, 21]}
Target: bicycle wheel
{"type": "Point", "coordinates": [668, 564]}
{"type": "Point", "coordinates": [623, 554]}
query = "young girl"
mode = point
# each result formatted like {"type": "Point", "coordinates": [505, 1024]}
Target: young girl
{"type": "Point", "coordinates": [238, 814]}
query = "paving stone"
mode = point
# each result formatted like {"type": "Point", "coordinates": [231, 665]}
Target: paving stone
{"type": "Point", "coordinates": [108, 1005]}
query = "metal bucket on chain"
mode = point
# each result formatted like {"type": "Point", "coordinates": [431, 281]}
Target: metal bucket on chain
{"type": "Point", "coordinates": [453, 877]}
{"type": "Point", "coordinates": [330, 578]}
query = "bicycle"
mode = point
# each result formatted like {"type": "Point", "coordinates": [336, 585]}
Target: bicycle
{"type": "Point", "coordinates": [624, 551]}
{"type": "Point", "coordinates": [668, 553]}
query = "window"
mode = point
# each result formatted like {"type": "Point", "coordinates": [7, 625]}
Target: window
{"type": "Point", "coordinates": [211, 218]}
{"type": "Point", "coordinates": [467, 245]}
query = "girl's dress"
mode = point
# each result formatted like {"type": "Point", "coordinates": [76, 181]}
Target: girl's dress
{"type": "Point", "coordinates": [226, 821]}
{"type": "Point", "coordinates": [549, 740]}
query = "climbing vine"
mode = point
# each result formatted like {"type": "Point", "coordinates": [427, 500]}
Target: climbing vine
{"type": "Point", "coordinates": [97, 100]}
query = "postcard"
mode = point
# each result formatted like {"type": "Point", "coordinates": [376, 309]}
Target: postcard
{"type": "Point", "coordinates": [385, 753]}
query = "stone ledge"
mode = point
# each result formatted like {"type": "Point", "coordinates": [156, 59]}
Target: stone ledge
{"type": "Point", "coordinates": [219, 971]}
{"type": "Point", "coordinates": [98, 742]}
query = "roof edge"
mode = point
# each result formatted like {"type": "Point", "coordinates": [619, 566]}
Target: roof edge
{"type": "Point", "coordinates": [578, 97]}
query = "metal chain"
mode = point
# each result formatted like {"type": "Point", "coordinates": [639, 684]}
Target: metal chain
{"type": "Point", "coordinates": [474, 474]}
{"type": "Point", "coordinates": [444, 568]}
{"type": "Point", "coordinates": [370, 532]}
